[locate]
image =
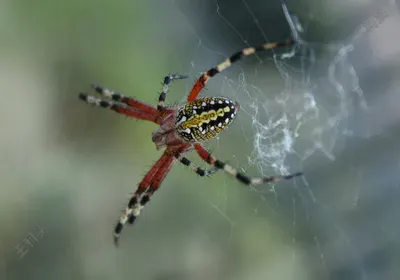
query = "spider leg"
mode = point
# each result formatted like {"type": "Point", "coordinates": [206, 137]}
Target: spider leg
{"type": "Point", "coordinates": [167, 80]}
{"type": "Point", "coordinates": [145, 190]}
{"type": "Point", "coordinates": [207, 157]}
{"type": "Point", "coordinates": [202, 81]}
{"type": "Point", "coordinates": [196, 169]}
{"type": "Point", "coordinates": [119, 97]}
{"type": "Point", "coordinates": [120, 108]}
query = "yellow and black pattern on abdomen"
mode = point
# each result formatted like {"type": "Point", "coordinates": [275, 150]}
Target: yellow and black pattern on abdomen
{"type": "Point", "coordinates": [204, 118]}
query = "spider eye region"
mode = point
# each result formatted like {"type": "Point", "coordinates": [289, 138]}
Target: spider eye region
{"type": "Point", "coordinates": [204, 118]}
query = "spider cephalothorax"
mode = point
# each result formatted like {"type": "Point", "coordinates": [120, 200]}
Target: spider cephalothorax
{"type": "Point", "coordinates": [180, 130]}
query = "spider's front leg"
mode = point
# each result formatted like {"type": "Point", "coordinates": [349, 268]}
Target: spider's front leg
{"type": "Point", "coordinates": [167, 80]}
{"type": "Point", "coordinates": [130, 101]}
{"type": "Point", "coordinates": [150, 183]}
{"type": "Point", "coordinates": [207, 157]}
{"type": "Point", "coordinates": [120, 108]}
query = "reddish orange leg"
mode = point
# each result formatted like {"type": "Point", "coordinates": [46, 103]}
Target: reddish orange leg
{"type": "Point", "coordinates": [145, 190]}
{"type": "Point", "coordinates": [132, 102]}
{"type": "Point", "coordinates": [120, 108]}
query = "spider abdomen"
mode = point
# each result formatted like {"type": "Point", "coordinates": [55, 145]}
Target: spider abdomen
{"type": "Point", "coordinates": [204, 118]}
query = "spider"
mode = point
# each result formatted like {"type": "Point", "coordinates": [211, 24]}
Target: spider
{"type": "Point", "coordinates": [181, 129]}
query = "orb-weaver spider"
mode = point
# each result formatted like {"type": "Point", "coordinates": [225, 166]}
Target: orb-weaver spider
{"type": "Point", "coordinates": [181, 129]}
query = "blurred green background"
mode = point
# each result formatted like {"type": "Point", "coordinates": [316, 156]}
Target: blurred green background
{"type": "Point", "coordinates": [69, 168]}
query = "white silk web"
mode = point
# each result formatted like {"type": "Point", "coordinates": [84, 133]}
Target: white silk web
{"type": "Point", "coordinates": [293, 117]}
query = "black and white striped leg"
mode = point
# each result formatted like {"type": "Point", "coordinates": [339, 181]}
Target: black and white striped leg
{"type": "Point", "coordinates": [253, 180]}
{"type": "Point", "coordinates": [136, 204]}
{"type": "Point", "coordinates": [202, 81]}
{"type": "Point", "coordinates": [107, 92]}
{"type": "Point", "coordinates": [196, 169]}
{"type": "Point", "coordinates": [120, 108]}
{"type": "Point", "coordinates": [167, 80]}
{"type": "Point", "coordinates": [210, 159]}
{"type": "Point", "coordinates": [108, 104]}
{"type": "Point", "coordinates": [119, 97]}
{"type": "Point", "coordinates": [145, 190]}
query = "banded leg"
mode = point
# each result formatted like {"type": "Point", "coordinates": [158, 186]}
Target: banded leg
{"type": "Point", "coordinates": [207, 157]}
{"type": "Point", "coordinates": [153, 178]}
{"type": "Point", "coordinates": [167, 80]}
{"type": "Point", "coordinates": [196, 169]}
{"type": "Point", "coordinates": [119, 97]}
{"type": "Point", "coordinates": [119, 108]}
{"type": "Point", "coordinates": [202, 81]}
{"type": "Point", "coordinates": [155, 184]}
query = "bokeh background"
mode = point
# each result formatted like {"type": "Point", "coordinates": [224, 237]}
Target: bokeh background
{"type": "Point", "coordinates": [68, 168]}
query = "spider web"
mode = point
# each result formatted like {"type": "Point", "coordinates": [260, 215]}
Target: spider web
{"type": "Point", "coordinates": [294, 116]}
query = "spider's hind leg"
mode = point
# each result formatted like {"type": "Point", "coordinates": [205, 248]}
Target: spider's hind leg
{"type": "Point", "coordinates": [167, 80]}
{"type": "Point", "coordinates": [243, 178]}
{"type": "Point", "coordinates": [196, 169]}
